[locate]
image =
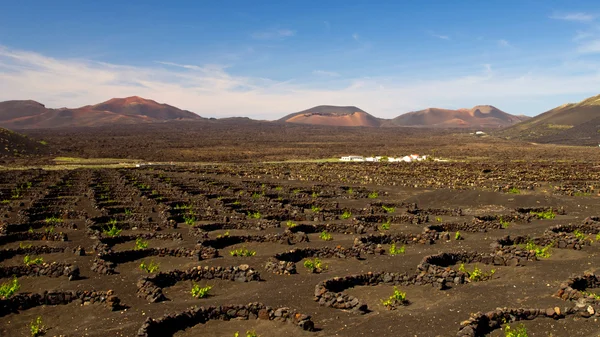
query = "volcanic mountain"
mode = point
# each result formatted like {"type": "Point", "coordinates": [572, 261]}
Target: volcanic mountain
{"type": "Point", "coordinates": [333, 116]}
{"type": "Point", "coordinates": [481, 116]}
{"type": "Point", "coordinates": [33, 115]}
{"type": "Point", "coordinates": [572, 123]}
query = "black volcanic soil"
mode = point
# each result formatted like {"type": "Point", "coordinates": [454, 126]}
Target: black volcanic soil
{"type": "Point", "coordinates": [212, 191]}
{"type": "Point", "coordinates": [251, 141]}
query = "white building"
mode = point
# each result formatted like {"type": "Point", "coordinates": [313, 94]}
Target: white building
{"type": "Point", "coordinates": [352, 158]}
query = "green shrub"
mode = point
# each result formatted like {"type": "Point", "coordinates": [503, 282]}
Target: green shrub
{"type": "Point", "coordinates": [291, 224]}
{"type": "Point", "coordinates": [254, 215]}
{"type": "Point", "coordinates": [189, 219]}
{"type": "Point", "coordinates": [53, 220]}
{"type": "Point", "coordinates": [315, 265]}
{"type": "Point", "coordinates": [398, 297]}
{"type": "Point", "coordinates": [149, 268]}
{"type": "Point", "coordinates": [396, 251]}
{"type": "Point", "coordinates": [373, 195]}
{"type": "Point", "coordinates": [224, 235]}
{"type": "Point", "coordinates": [113, 231]}
{"type": "Point", "coordinates": [346, 215]}
{"type": "Point", "coordinates": [24, 246]}
{"type": "Point", "coordinates": [388, 209]}
{"type": "Point", "coordinates": [200, 292]}
{"type": "Point", "coordinates": [458, 236]}
{"type": "Point", "coordinates": [477, 274]}
{"type": "Point", "coordinates": [7, 289]}
{"type": "Point", "coordinates": [36, 327]}
{"type": "Point", "coordinates": [519, 331]}
{"type": "Point", "coordinates": [325, 236]}
{"type": "Point", "coordinates": [504, 223]}
{"type": "Point", "coordinates": [544, 215]}
{"type": "Point", "coordinates": [140, 244]}
{"type": "Point", "coordinates": [315, 209]}
{"type": "Point", "coordinates": [514, 190]}
{"type": "Point", "coordinates": [542, 252]}
{"type": "Point", "coordinates": [386, 225]}
{"type": "Point", "coordinates": [242, 252]}
{"type": "Point", "coordinates": [579, 235]}
{"type": "Point", "coordinates": [438, 219]}
{"type": "Point", "coordinates": [28, 260]}
{"type": "Point", "coordinates": [128, 211]}
{"type": "Point", "coordinates": [249, 333]}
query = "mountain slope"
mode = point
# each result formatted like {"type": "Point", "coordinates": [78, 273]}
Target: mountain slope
{"type": "Point", "coordinates": [137, 106]}
{"type": "Point", "coordinates": [33, 115]}
{"type": "Point", "coordinates": [333, 116]}
{"type": "Point", "coordinates": [557, 121]}
{"type": "Point", "coordinates": [481, 116]}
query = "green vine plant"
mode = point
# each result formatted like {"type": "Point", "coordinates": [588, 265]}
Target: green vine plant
{"type": "Point", "coordinates": [140, 244]}
{"type": "Point", "coordinates": [519, 331]}
{"type": "Point", "coordinates": [200, 292]}
{"type": "Point", "coordinates": [7, 289]}
{"type": "Point", "coordinates": [398, 298]}
{"type": "Point", "coordinates": [37, 328]}
{"type": "Point", "coordinates": [242, 252]}
{"type": "Point", "coordinates": [254, 215]}
{"type": "Point", "coordinates": [325, 236]}
{"type": "Point", "coordinates": [346, 215]}
{"type": "Point", "coordinates": [113, 231]}
{"type": "Point", "coordinates": [541, 252]}
{"type": "Point", "coordinates": [249, 333]}
{"type": "Point", "coordinates": [386, 225]}
{"type": "Point", "coordinates": [373, 195]}
{"type": "Point", "coordinates": [291, 224]}
{"type": "Point", "coordinates": [544, 215]}
{"type": "Point", "coordinates": [28, 260]}
{"type": "Point", "coordinates": [397, 251]}
{"type": "Point", "coordinates": [149, 268]}
{"type": "Point", "coordinates": [388, 209]}
{"type": "Point", "coordinates": [315, 265]}
{"type": "Point", "coordinates": [477, 274]}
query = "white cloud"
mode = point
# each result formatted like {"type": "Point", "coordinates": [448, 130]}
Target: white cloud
{"type": "Point", "coordinates": [273, 34]}
{"type": "Point", "coordinates": [589, 47]}
{"type": "Point", "coordinates": [325, 73]}
{"type": "Point", "coordinates": [580, 17]}
{"type": "Point", "coordinates": [356, 37]}
{"type": "Point", "coordinates": [503, 43]}
{"type": "Point", "coordinates": [442, 37]}
{"type": "Point", "coordinates": [210, 90]}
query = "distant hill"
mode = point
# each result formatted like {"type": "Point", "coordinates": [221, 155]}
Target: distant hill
{"type": "Point", "coordinates": [33, 115]}
{"type": "Point", "coordinates": [333, 116]}
{"type": "Point", "coordinates": [481, 116]}
{"type": "Point", "coordinates": [14, 145]}
{"type": "Point", "coordinates": [572, 123]}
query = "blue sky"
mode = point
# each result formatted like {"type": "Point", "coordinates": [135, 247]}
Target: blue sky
{"type": "Point", "coordinates": [264, 59]}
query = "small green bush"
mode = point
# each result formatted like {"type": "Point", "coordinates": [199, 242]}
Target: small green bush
{"type": "Point", "coordinates": [7, 289]}
{"type": "Point", "coordinates": [291, 224]}
{"type": "Point", "coordinates": [140, 244]}
{"type": "Point", "coordinates": [36, 327]}
{"type": "Point", "coordinates": [315, 265]}
{"type": "Point", "coordinates": [346, 215]}
{"type": "Point", "coordinates": [519, 331]}
{"type": "Point", "coordinates": [149, 268]}
{"type": "Point", "coordinates": [373, 195]}
{"type": "Point", "coordinates": [545, 215]}
{"type": "Point", "coordinates": [113, 231]}
{"type": "Point", "coordinates": [200, 292]}
{"type": "Point", "coordinates": [395, 250]}
{"type": "Point", "coordinates": [388, 209]}
{"type": "Point", "coordinates": [254, 215]}
{"type": "Point", "coordinates": [477, 274]}
{"type": "Point", "coordinates": [28, 260]}
{"type": "Point", "coordinates": [242, 252]}
{"type": "Point", "coordinates": [325, 236]}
